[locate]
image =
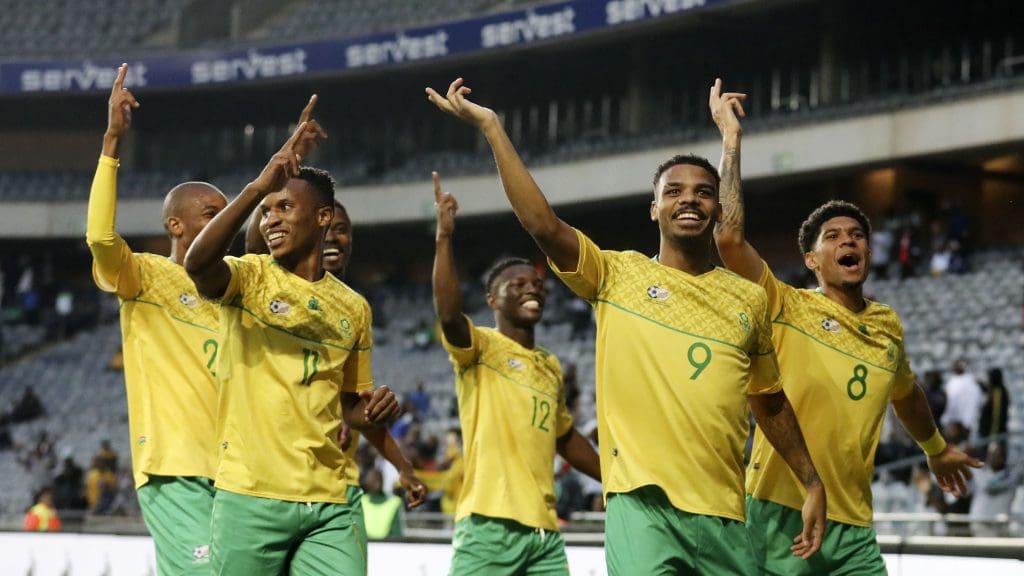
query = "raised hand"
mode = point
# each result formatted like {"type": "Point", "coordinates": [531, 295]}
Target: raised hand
{"type": "Point", "coordinates": [284, 164]}
{"type": "Point", "coordinates": [415, 489]}
{"type": "Point", "coordinates": [952, 469]}
{"type": "Point", "coordinates": [446, 207]}
{"type": "Point", "coordinates": [456, 104]}
{"type": "Point", "coordinates": [119, 112]}
{"type": "Point", "coordinates": [726, 109]}
{"type": "Point", "coordinates": [308, 142]}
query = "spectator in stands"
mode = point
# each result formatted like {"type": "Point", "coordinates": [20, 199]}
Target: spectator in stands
{"type": "Point", "coordinates": [940, 260]}
{"type": "Point", "coordinates": [881, 251]}
{"type": "Point", "coordinates": [995, 412]}
{"type": "Point", "coordinates": [100, 486]}
{"type": "Point", "coordinates": [995, 486]}
{"type": "Point", "coordinates": [908, 253]}
{"type": "Point", "coordinates": [935, 393]}
{"type": "Point", "coordinates": [421, 400]}
{"type": "Point", "coordinates": [42, 517]}
{"type": "Point", "coordinates": [28, 407]}
{"type": "Point", "coordinates": [382, 511]}
{"type": "Point", "coordinates": [964, 399]}
{"type": "Point", "coordinates": [107, 454]}
{"type": "Point", "coordinates": [67, 486]}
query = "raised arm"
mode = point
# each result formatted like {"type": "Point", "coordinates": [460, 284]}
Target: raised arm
{"type": "Point", "coordinates": [775, 417]}
{"type": "Point", "coordinates": [111, 256]}
{"type": "Point", "coordinates": [447, 293]}
{"type": "Point", "coordinates": [556, 238]}
{"type": "Point", "coordinates": [205, 259]}
{"type": "Point", "coordinates": [254, 241]}
{"type": "Point", "coordinates": [737, 254]}
{"type": "Point", "coordinates": [951, 466]}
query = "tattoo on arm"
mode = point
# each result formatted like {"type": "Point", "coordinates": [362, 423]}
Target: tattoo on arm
{"type": "Point", "coordinates": [729, 193]}
{"type": "Point", "coordinates": [778, 422]}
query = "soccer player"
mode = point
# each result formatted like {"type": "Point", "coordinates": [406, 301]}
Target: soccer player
{"type": "Point", "coordinates": [682, 348]}
{"type": "Point", "coordinates": [337, 254]}
{"type": "Point", "coordinates": [170, 347]}
{"type": "Point", "coordinates": [295, 361]}
{"type": "Point", "coordinates": [852, 349]}
{"type": "Point", "coordinates": [513, 415]}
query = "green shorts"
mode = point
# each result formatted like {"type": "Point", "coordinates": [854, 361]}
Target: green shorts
{"type": "Point", "coordinates": [847, 549]}
{"type": "Point", "coordinates": [251, 535]}
{"type": "Point", "coordinates": [354, 495]}
{"type": "Point", "coordinates": [177, 510]}
{"type": "Point", "coordinates": [499, 547]}
{"type": "Point", "coordinates": [646, 534]}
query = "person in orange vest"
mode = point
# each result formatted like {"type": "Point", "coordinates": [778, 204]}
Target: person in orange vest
{"type": "Point", "coordinates": [43, 516]}
{"type": "Point", "coordinates": [382, 511]}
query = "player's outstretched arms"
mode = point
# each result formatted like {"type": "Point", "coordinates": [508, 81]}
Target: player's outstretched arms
{"type": "Point", "coordinates": [578, 452]}
{"type": "Point", "coordinates": [730, 237]}
{"type": "Point", "coordinates": [951, 466]}
{"type": "Point", "coordinates": [447, 293]}
{"type": "Point", "coordinates": [205, 259]}
{"type": "Point", "coordinates": [556, 238]}
{"type": "Point", "coordinates": [113, 270]}
{"type": "Point", "coordinates": [381, 439]}
{"type": "Point", "coordinates": [775, 416]}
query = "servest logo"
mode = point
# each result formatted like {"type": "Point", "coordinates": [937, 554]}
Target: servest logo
{"type": "Point", "coordinates": [84, 77]}
{"type": "Point", "coordinates": [253, 66]}
{"type": "Point", "coordinates": [402, 49]}
{"type": "Point", "coordinates": [531, 28]}
{"type": "Point", "coordinates": [619, 11]}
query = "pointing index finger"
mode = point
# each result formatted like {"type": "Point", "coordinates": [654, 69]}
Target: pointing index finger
{"type": "Point", "coordinates": [122, 71]}
{"type": "Point", "coordinates": [437, 187]}
{"type": "Point", "coordinates": [308, 110]}
{"type": "Point", "coordinates": [295, 136]}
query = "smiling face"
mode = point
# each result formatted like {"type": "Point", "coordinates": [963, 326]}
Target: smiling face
{"type": "Point", "coordinates": [518, 294]}
{"type": "Point", "coordinates": [686, 204]}
{"type": "Point", "coordinates": [338, 243]}
{"type": "Point", "coordinates": [840, 257]}
{"type": "Point", "coordinates": [292, 222]}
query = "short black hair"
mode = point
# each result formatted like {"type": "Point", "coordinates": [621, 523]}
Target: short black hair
{"type": "Point", "coordinates": [499, 266]}
{"type": "Point", "coordinates": [320, 182]}
{"type": "Point", "coordinates": [811, 228]}
{"type": "Point", "coordinates": [692, 160]}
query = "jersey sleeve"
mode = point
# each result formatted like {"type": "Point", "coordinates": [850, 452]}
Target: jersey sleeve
{"type": "Point", "coordinates": [764, 365]}
{"type": "Point", "coordinates": [357, 373]}
{"type": "Point", "coordinates": [464, 356]}
{"type": "Point", "coordinates": [905, 380]}
{"type": "Point", "coordinates": [775, 289]}
{"type": "Point", "coordinates": [588, 276]}
{"type": "Point", "coordinates": [244, 272]}
{"type": "Point", "coordinates": [114, 268]}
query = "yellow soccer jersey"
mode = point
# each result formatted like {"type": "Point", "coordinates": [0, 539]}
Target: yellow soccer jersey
{"type": "Point", "coordinates": [841, 369]}
{"type": "Point", "coordinates": [169, 338]}
{"type": "Point", "coordinates": [677, 356]}
{"type": "Point", "coordinates": [289, 347]}
{"type": "Point", "coordinates": [512, 409]}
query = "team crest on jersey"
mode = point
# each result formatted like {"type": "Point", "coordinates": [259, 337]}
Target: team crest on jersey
{"type": "Point", "coordinates": [188, 300]}
{"type": "Point", "coordinates": [278, 307]}
{"type": "Point", "coordinates": [346, 328]}
{"type": "Point", "coordinates": [515, 364]}
{"type": "Point", "coordinates": [890, 353]}
{"type": "Point", "coordinates": [657, 293]}
{"type": "Point", "coordinates": [830, 325]}
{"type": "Point", "coordinates": [314, 304]}
{"type": "Point", "coordinates": [744, 322]}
